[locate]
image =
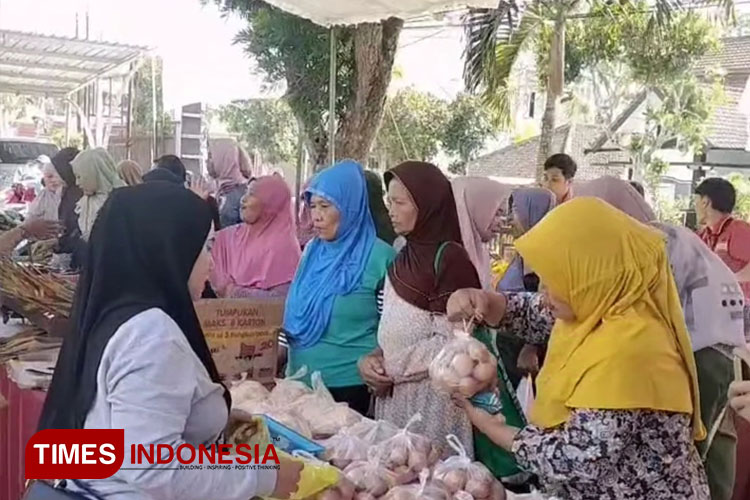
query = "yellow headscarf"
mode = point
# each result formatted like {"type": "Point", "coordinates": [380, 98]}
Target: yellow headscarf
{"type": "Point", "coordinates": [629, 347]}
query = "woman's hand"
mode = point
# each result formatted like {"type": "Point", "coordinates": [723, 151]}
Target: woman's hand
{"type": "Point", "coordinates": [372, 370]}
{"type": "Point", "coordinates": [287, 478]}
{"type": "Point", "coordinates": [472, 304]}
{"type": "Point", "coordinates": [739, 398]}
{"type": "Point", "coordinates": [200, 186]}
{"type": "Point", "coordinates": [528, 360]}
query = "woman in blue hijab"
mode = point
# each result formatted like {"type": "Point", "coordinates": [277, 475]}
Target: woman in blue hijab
{"type": "Point", "coordinates": [331, 317]}
{"type": "Point", "coordinates": [528, 206]}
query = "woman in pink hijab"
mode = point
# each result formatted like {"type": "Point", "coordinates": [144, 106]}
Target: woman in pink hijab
{"type": "Point", "coordinates": [258, 257]}
{"type": "Point", "coordinates": [225, 163]}
{"type": "Point", "coordinates": [481, 205]}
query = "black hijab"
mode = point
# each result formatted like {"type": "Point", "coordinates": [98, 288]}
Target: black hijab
{"type": "Point", "coordinates": [163, 175]}
{"type": "Point", "coordinates": [173, 164]}
{"type": "Point", "coordinates": [66, 212]}
{"type": "Point", "coordinates": [142, 249]}
{"type": "Point", "coordinates": [378, 209]}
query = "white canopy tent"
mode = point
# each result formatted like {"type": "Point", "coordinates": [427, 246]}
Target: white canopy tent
{"type": "Point", "coordinates": [344, 12]}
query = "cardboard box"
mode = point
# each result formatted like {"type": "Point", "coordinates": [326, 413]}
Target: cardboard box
{"type": "Point", "coordinates": [243, 335]}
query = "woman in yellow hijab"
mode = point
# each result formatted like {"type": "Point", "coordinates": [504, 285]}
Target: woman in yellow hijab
{"type": "Point", "coordinates": [617, 410]}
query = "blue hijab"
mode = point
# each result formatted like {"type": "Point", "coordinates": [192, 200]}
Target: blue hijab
{"type": "Point", "coordinates": [330, 268]}
{"type": "Point", "coordinates": [529, 206]}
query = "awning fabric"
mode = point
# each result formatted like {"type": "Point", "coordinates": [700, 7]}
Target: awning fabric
{"type": "Point", "coordinates": [343, 12]}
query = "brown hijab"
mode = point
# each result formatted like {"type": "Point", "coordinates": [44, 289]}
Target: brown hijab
{"type": "Point", "coordinates": [413, 272]}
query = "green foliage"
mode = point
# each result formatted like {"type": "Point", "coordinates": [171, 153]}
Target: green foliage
{"type": "Point", "coordinates": [143, 105]}
{"type": "Point", "coordinates": [742, 185]}
{"type": "Point", "coordinates": [290, 49]}
{"type": "Point", "coordinates": [265, 125]}
{"type": "Point", "coordinates": [672, 211]}
{"type": "Point", "coordinates": [607, 34]}
{"type": "Point", "coordinates": [468, 127]}
{"type": "Point", "coordinates": [412, 127]}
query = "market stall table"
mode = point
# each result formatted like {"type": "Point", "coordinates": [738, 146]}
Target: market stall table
{"type": "Point", "coordinates": [18, 422]}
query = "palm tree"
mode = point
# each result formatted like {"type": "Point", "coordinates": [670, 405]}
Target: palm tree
{"type": "Point", "coordinates": [497, 37]}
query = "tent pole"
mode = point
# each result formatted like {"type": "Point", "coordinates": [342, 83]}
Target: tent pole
{"type": "Point", "coordinates": [332, 99]}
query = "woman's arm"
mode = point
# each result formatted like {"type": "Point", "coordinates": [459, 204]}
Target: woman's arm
{"type": "Point", "coordinates": [523, 314]}
{"type": "Point", "coordinates": [150, 393]}
{"type": "Point", "coordinates": [584, 450]}
{"type": "Point", "coordinates": [528, 317]}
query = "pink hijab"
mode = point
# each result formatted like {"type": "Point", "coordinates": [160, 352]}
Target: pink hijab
{"type": "Point", "coordinates": [618, 193]}
{"type": "Point", "coordinates": [262, 255]}
{"type": "Point", "coordinates": [226, 158]}
{"type": "Point", "coordinates": [477, 200]}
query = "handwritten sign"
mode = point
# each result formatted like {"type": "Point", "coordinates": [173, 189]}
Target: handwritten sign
{"type": "Point", "coordinates": [242, 335]}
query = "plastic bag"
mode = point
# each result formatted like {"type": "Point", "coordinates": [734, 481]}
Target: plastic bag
{"type": "Point", "coordinates": [373, 432]}
{"type": "Point", "coordinates": [290, 418]}
{"type": "Point", "coordinates": [459, 475]}
{"type": "Point", "coordinates": [407, 453]}
{"type": "Point", "coordinates": [316, 476]}
{"type": "Point", "coordinates": [525, 394]}
{"type": "Point", "coordinates": [247, 390]}
{"type": "Point", "coordinates": [370, 477]}
{"type": "Point", "coordinates": [247, 429]}
{"type": "Point", "coordinates": [324, 415]}
{"type": "Point", "coordinates": [464, 366]}
{"type": "Point", "coordinates": [288, 390]}
{"type": "Point", "coordinates": [425, 490]}
{"type": "Point", "coordinates": [344, 448]}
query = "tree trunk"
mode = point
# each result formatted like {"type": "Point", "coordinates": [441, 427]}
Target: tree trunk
{"type": "Point", "coordinates": [374, 50]}
{"type": "Point", "coordinates": [555, 84]}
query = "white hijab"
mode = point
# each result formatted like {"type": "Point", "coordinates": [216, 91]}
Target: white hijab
{"type": "Point", "coordinates": [45, 206]}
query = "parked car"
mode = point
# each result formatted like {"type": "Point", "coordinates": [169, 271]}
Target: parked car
{"type": "Point", "coordinates": [18, 154]}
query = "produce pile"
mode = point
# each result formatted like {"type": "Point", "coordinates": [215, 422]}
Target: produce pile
{"type": "Point", "coordinates": [380, 460]}
{"type": "Point", "coordinates": [40, 291]}
{"type": "Point", "coordinates": [9, 219]}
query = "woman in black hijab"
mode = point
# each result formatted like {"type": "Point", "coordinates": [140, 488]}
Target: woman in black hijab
{"type": "Point", "coordinates": [137, 359]}
{"type": "Point", "coordinates": [70, 242]}
{"type": "Point", "coordinates": [378, 209]}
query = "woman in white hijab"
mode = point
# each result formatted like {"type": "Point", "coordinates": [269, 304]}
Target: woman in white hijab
{"type": "Point", "coordinates": [96, 174]}
{"type": "Point", "coordinates": [45, 206]}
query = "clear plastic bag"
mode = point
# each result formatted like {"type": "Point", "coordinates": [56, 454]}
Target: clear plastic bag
{"type": "Point", "coordinates": [344, 448]}
{"type": "Point", "coordinates": [464, 366]}
{"type": "Point", "coordinates": [373, 432]}
{"type": "Point", "coordinates": [288, 390]}
{"type": "Point", "coordinates": [525, 394]}
{"type": "Point", "coordinates": [425, 490]}
{"type": "Point", "coordinates": [324, 415]}
{"type": "Point", "coordinates": [407, 453]}
{"type": "Point", "coordinates": [248, 391]}
{"type": "Point", "coordinates": [370, 477]}
{"type": "Point", "coordinates": [467, 479]}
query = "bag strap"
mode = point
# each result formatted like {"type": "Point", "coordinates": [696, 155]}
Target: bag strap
{"type": "Point", "coordinates": [439, 256]}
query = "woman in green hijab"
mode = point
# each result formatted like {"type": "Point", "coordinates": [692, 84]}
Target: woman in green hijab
{"type": "Point", "coordinates": [96, 175]}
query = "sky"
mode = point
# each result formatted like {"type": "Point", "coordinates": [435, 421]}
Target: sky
{"type": "Point", "coordinates": [195, 42]}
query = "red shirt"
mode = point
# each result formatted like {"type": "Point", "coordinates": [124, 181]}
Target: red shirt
{"type": "Point", "coordinates": [730, 239]}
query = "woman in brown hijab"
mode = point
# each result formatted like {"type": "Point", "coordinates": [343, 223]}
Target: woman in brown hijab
{"type": "Point", "coordinates": [413, 327]}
